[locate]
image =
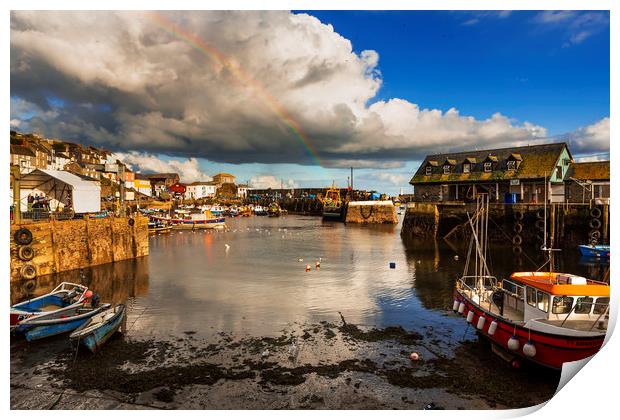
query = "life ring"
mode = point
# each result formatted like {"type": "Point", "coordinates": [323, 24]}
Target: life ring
{"type": "Point", "coordinates": [23, 236]}
{"type": "Point", "coordinates": [595, 223]}
{"type": "Point", "coordinates": [540, 213]}
{"type": "Point", "coordinates": [517, 240]}
{"type": "Point", "coordinates": [28, 272]}
{"type": "Point", "coordinates": [29, 286]}
{"type": "Point", "coordinates": [131, 221]}
{"type": "Point", "coordinates": [593, 241]}
{"type": "Point", "coordinates": [517, 250]}
{"type": "Point", "coordinates": [25, 253]}
{"type": "Point", "coordinates": [595, 212]}
{"type": "Point", "coordinates": [595, 234]}
{"type": "Point", "coordinates": [518, 228]}
{"type": "Point", "coordinates": [518, 215]}
{"type": "Point", "coordinates": [540, 224]}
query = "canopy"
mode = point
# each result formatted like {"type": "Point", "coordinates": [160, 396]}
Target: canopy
{"type": "Point", "coordinates": [84, 196]}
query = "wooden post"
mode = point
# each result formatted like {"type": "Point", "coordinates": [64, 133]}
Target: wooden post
{"type": "Point", "coordinates": [17, 211]}
{"type": "Point", "coordinates": [605, 221]}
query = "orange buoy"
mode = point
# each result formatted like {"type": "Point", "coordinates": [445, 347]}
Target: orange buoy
{"type": "Point", "coordinates": [307, 267]}
{"type": "Point", "coordinates": [414, 356]}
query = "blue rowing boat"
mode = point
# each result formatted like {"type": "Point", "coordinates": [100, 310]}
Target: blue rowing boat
{"type": "Point", "coordinates": [597, 251]}
{"type": "Point", "coordinates": [98, 329]}
{"type": "Point", "coordinates": [58, 322]}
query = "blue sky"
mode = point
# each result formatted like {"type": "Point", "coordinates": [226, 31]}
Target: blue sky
{"type": "Point", "coordinates": [547, 70]}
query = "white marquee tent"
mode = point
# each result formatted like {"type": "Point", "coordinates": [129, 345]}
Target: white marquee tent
{"type": "Point", "coordinates": [84, 196]}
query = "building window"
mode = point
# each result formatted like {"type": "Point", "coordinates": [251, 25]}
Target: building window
{"type": "Point", "coordinates": [562, 304]}
{"type": "Point", "coordinates": [558, 172]}
{"type": "Point", "coordinates": [446, 169]}
{"type": "Point", "coordinates": [429, 170]}
{"type": "Point", "coordinates": [466, 168]}
{"type": "Point", "coordinates": [511, 165]}
{"type": "Point", "coordinates": [487, 166]}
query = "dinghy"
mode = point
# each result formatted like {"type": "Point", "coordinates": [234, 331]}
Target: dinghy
{"type": "Point", "coordinates": [58, 322]}
{"type": "Point", "coordinates": [64, 296]}
{"type": "Point", "coordinates": [98, 329]}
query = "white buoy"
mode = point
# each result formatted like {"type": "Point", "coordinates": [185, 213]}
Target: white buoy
{"type": "Point", "coordinates": [513, 343]}
{"type": "Point", "coordinates": [455, 305]}
{"type": "Point", "coordinates": [461, 308]}
{"type": "Point", "coordinates": [492, 328]}
{"type": "Point", "coordinates": [480, 324]}
{"type": "Point", "coordinates": [227, 246]}
{"type": "Point", "coordinates": [470, 316]}
{"type": "Point", "coordinates": [456, 258]}
{"type": "Point", "coordinates": [529, 349]}
{"type": "Point", "coordinates": [301, 260]}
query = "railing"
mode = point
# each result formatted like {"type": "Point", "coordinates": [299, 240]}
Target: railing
{"type": "Point", "coordinates": [488, 283]}
{"type": "Point", "coordinates": [44, 215]}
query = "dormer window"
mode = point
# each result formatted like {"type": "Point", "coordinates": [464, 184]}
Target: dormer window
{"type": "Point", "coordinates": [429, 170]}
{"type": "Point", "coordinates": [466, 168]}
{"type": "Point", "coordinates": [488, 166]}
{"type": "Point", "coordinates": [446, 169]}
{"type": "Point", "coordinates": [511, 165]}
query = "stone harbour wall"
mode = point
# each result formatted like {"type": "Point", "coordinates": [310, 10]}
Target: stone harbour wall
{"type": "Point", "coordinates": [421, 221]}
{"type": "Point", "coordinates": [73, 244]}
{"type": "Point", "coordinates": [371, 212]}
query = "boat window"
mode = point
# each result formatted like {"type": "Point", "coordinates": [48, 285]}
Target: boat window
{"type": "Point", "coordinates": [531, 296]}
{"type": "Point", "coordinates": [542, 301]}
{"type": "Point", "coordinates": [562, 304]}
{"type": "Point", "coordinates": [583, 305]}
{"type": "Point", "coordinates": [601, 305]}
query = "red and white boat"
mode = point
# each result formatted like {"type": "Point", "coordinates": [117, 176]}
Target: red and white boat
{"type": "Point", "coordinates": [546, 317]}
{"type": "Point", "coordinates": [204, 220]}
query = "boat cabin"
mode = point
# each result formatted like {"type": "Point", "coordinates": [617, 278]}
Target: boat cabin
{"type": "Point", "coordinates": [554, 299]}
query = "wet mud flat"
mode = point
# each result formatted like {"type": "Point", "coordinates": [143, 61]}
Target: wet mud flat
{"type": "Point", "coordinates": [310, 366]}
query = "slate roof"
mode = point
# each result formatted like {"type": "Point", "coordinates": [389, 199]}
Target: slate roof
{"type": "Point", "coordinates": [536, 161]}
{"type": "Point", "coordinates": [592, 171]}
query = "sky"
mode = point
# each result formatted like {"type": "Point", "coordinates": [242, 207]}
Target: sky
{"type": "Point", "coordinates": [297, 98]}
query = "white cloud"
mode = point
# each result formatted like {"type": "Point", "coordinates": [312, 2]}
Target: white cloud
{"type": "Point", "coordinates": [262, 85]}
{"type": "Point", "coordinates": [188, 170]}
{"type": "Point", "coordinates": [593, 138]}
{"type": "Point", "coordinates": [270, 181]}
{"type": "Point", "coordinates": [395, 179]}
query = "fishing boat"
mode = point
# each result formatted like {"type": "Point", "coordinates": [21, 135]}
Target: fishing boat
{"type": "Point", "coordinates": [260, 211]}
{"type": "Point", "coordinates": [546, 317]}
{"type": "Point", "coordinates": [245, 211]}
{"type": "Point", "coordinates": [158, 226]}
{"type": "Point", "coordinates": [233, 211]}
{"type": "Point", "coordinates": [99, 328]}
{"type": "Point", "coordinates": [217, 210]}
{"type": "Point", "coordinates": [273, 210]}
{"type": "Point", "coordinates": [332, 204]}
{"type": "Point", "coordinates": [594, 251]}
{"type": "Point", "coordinates": [60, 322]}
{"type": "Point", "coordinates": [65, 295]}
{"type": "Point", "coordinates": [204, 220]}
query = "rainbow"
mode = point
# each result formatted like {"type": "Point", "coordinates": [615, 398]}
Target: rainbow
{"type": "Point", "coordinates": [217, 57]}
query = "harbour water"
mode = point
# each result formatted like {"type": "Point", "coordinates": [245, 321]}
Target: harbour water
{"type": "Point", "coordinates": [250, 280]}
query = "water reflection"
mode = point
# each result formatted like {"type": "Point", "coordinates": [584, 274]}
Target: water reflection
{"type": "Point", "coordinates": [250, 280]}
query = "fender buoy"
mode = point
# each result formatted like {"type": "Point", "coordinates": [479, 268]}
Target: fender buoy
{"type": "Point", "coordinates": [517, 240]}
{"type": "Point", "coordinates": [480, 324]}
{"type": "Point", "coordinates": [518, 227]}
{"type": "Point", "coordinates": [517, 250]}
{"type": "Point", "coordinates": [540, 224]}
{"type": "Point", "coordinates": [595, 223]}
{"type": "Point", "coordinates": [28, 272]}
{"type": "Point", "coordinates": [540, 213]}
{"type": "Point", "coordinates": [518, 215]}
{"type": "Point", "coordinates": [595, 212]}
{"type": "Point", "coordinates": [29, 286]}
{"type": "Point", "coordinates": [470, 316]}
{"type": "Point", "coordinates": [461, 308]}
{"type": "Point", "coordinates": [595, 234]}
{"type": "Point", "coordinates": [529, 349]}
{"type": "Point", "coordinates": [455, 305]}
{"type": "Point", "coordinates": [25, 253]}
{"type": "Point", "coordinates": [492, 328]}
{"type": "Point", "coordinates": [131, 221]}
{"type": "Point", "coordinates": [23, 236]}
{"type": "Point", "coordinates": [513, 343]}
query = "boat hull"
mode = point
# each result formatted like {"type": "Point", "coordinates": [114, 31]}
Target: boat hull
{"type": "Point", "coordinates": [45, 331]}
{"type": "Point", "coordinates": [97, 338]}
{"type": "Point", "coordinates": [332, 213]}
{"type": "Point", "coordinates": [552, 350]}
{"type": "Point", "coordinates": [594, 251]}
